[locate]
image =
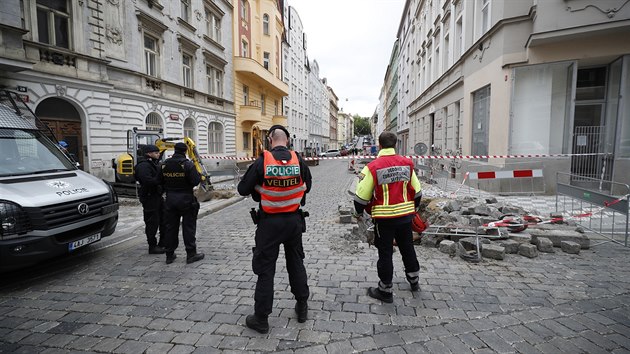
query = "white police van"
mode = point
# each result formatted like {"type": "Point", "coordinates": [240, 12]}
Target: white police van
{"type": "Point", "coordinates": [48, 207]}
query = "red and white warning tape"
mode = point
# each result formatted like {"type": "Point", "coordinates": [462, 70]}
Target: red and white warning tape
{"type": "Point", "coordinates": [537, 220]}
{"type": "Point", "coordinates": [437, 157]}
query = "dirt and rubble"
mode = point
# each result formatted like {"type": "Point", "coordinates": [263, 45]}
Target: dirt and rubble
{"type": "Point", "coordinates": [462, 227]}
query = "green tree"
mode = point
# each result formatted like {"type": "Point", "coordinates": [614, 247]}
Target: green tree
{"type": "Point", "coordinates": [361, 125]}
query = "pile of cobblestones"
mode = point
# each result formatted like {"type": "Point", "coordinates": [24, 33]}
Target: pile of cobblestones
{"type": "Point", "coordinates": [458, 227]}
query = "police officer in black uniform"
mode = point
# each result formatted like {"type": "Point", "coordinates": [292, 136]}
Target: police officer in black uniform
{"type": "Point", "coordinates": [147, 173]}
{"type": "Point", "coordinates": [273, 230]}
{"type": "Point", "coordinates": [179, 176]}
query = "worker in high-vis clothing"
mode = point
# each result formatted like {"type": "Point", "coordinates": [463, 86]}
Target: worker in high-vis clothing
{"type": "Point", "coordinates": [389, 190]}
{"type": "Point", "coordinates": [279, 181]}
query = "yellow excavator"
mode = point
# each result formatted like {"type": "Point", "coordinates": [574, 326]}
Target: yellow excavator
{"type": "Point", "coordinates": [123, 164]}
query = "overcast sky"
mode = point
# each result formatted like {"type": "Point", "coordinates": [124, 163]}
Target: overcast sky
{"type": "Point", "coordinates": [352, 41]}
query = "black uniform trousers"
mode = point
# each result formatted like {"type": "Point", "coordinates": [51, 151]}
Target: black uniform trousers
{"type": "Point", "coordinates": [272, 231]}
{"type": "Point", "coordinates": [153, 219]}
{"type": "Point", "coordinates": [181, 207]}
{"type": "Point", "coordinates": [385, 234]}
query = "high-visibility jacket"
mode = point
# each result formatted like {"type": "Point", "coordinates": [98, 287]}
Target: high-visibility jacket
{"type": "Point", "coordinates": [390, 185]}
{"type": "Point", "coordinates": [283, 187]}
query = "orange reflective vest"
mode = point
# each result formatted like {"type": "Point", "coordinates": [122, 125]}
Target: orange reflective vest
{"type": "Point", "coordinates": [393, 191]}
{"type": "Point", "coordinates": [283, 187]}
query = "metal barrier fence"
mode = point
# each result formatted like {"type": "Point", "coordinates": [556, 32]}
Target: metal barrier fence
{"type": "Point", "coordinates": [509, 178]}
{"type": "Point", "coordinates": [600, 212]}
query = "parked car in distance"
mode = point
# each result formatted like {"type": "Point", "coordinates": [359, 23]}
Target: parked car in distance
{"type": "Point", "coordinates": [330, 153]}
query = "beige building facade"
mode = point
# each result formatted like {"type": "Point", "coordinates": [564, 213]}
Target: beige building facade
{"type": "Point", "coordinates": [489, 77]}
{"type": "Point", "coordinates": [258, 85]}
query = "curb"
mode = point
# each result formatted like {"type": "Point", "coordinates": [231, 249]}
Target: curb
{"type": "Point", "coordinates": [224, 203]}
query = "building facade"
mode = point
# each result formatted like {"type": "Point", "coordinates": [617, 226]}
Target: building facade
{"type": "Point", "coordinates": [258, 85]}
{"type": "Point", "coordinates": [317, 102]}
{"type": "Point", "coordinates": [93, 69]}
{"type": "Point", "coordinates": [493, 77]}
{"type": "Point", "coordinates": [295, 75]}
{"type": "Point", "coordinates": [333, 111]}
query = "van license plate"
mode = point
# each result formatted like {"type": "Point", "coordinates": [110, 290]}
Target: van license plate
{"type": "Point", "coordinates": [84, 241]}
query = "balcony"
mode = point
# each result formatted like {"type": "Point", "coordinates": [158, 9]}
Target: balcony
{"type": "Point", "coordinates": [250, 113]}
{"type": "Point", "coordinates": [282, 120]}
{"type": "Point", "coordinates": [254, 71]}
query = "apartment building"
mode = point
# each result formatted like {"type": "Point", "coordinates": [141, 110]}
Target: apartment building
{"type": "Point", "coordinates": [258, 86]}
{"type": "Point", "coordinates": [389, 97]}
{"type": "Point", "coordinates": [489, 77]}
{"type": "Point", "coordinates": [318, 111]}
{"type": "Point", "coordinates": [333, 104]}
{"type": "Point", "coordinates": [345, 128]}
{"type": "Point", "coordinates": [93, 69]}
{"type": "Point", "coordinates": [295, 75]}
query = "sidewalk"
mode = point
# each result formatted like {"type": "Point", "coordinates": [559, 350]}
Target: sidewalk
{"type": "Point", "coordinates": [130, 217]}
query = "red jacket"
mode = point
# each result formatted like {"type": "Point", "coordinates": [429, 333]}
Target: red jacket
{"type": "Point", "coordinates": [393, 191]}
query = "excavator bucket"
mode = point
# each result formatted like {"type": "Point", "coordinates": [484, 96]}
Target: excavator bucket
{"type": "Point", "coordinates": [205, 184]}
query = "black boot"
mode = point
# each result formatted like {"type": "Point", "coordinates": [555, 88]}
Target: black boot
{"type": "Point", "coordinates": [156, 250]}
{"type": "Point", "coordinates": [414, 286]}
{"type": "Point", "coordinates": [170, 258]}
{"type": "Point", "coordinates": [301, 309]}
{"type": "Point", "coordinates": [376, 293]}
{"type": "Point", "coordinates": [194, 257]}
{"type": "Point", "coordinates": [258, 324]}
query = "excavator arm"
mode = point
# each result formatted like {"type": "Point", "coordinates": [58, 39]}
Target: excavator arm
{"type": "Point", "coordinates": [165, 144]}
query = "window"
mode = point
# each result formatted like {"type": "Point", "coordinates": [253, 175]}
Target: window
{"type": "Point", "coordinates": [480, 120]}
{"type": "Point", "coordinates": [53, 23]}
{"type": "Point", "coordinates": [150, 55]}
{"type": "Point", "coordinates": [244, 11]}
{"type": "Point", "coordinates": [245, 95]}
{"type": "Point", "coordinates": [246, 139]}
{"type": "Point", "coordinates": [215, 138]}
{"type": "Point", "coordinates": [215, 81]}
{"type": "Point", "coordinates": [266, 60]}
{"type": "Point", "coordinates": [485, 15]}
{"type": "Point", "coordinates": [185, 13]}
{"type": "Point", "coordinates": [540, 111]}
{"type": "Point", "coordinates": [262, 103]}
{"type": "Point", "coordinates": [266, 24]}
{"type": "Point", "coordinates": [153, 121]}
{"type": "Point", "coordinates": [244, 49]}
{"type": "Point", "coordinates": [213, 25]}
{"type": "Point", "coordinates": [275, 107]}
{"type": "Point", "coordinates": [187, 63]}
{"type": "Point", "coordinates": [189, 128]}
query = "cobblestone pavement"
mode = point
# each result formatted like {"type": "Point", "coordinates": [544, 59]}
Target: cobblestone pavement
{"type": "Point", "coordinates": [122, 300]}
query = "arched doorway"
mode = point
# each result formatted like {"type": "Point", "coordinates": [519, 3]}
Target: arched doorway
{"type": "Point", "coordinates": [65, 122]}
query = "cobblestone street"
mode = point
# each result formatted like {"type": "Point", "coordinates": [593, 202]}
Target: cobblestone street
{"type": "Point", "coordinates": [123, 300]}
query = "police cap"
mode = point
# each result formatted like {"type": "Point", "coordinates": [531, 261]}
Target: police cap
{"type": "Point", "coordinates": [150, 148]}
{"type": "Point", "coordinates": [181, 148]}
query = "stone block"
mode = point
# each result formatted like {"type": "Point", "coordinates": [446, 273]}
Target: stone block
{"type": "Point", "coordinates": [345, 219]}
{"type": "Point", "coordinates": [559, 234]}
{"type": "Point", "coordinates": [570, 247]}
{"type": "Point", "coordinates": [493, 251]}
{"type": "Point", "coordinates": [528, 250]}
{"type": "Point", "coordinates": [452, 205]}
{"type": "Point", "coordinates": [470, 243]}
{"type": "Point", "coordinates": [429, 241]}
{"type": "Point", "coordinates": [344, 210]}
{"type": "Point", "coordinates": [520, 237]}
{"type": "Point", "coordinates": [510, 246]}
{"type": "Point", "coordinates": [448, 247]}
{"type": "Point", "coordinates": [482, 210]}
{"type": "Point", "coordinates": [544, 245]}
